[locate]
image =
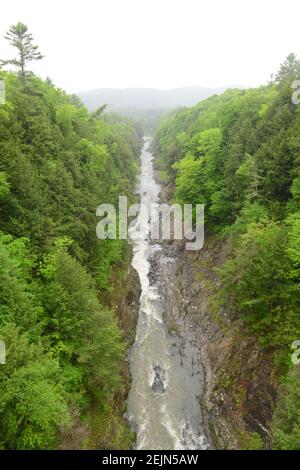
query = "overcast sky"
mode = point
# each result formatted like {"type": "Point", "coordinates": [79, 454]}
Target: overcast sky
{"type": "Point", "coordinates": [156, 43]}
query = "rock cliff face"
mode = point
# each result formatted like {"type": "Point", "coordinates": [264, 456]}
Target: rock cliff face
{"type": "Point", "coordinates": [240, 385]}
{"type": "Point", "coordinates": [128, 304]}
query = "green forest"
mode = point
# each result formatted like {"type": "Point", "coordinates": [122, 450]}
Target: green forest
{"type": "Point", "coordinates": [66, 377]}
{"type": "Point", "coordinates": [64, 345]}
{"type": "Point", "coordinates": [239, 154]}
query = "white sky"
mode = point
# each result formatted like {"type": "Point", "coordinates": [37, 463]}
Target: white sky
{"type": "Point", "coordinates": [156, 43]}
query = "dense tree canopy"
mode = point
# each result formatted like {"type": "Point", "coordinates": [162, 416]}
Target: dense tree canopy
{"type": "Point", "coordinates": [64, 346]}
{"type": "Point", "coordinates": [238, 153]}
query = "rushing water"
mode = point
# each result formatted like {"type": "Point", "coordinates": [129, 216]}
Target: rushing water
{"type": "Point", "coordinates": [163, 403]}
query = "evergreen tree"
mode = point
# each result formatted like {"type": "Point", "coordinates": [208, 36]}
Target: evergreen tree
{"type": "Point", "coordinates": [19, 37]}
{"type": "Point", "coordinates": [289, 69]}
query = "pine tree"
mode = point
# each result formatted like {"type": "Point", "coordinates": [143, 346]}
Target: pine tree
{"type": "Point", "coordinates": [19, 37]}
{"type": "Point", "coordinates": [289, 69]}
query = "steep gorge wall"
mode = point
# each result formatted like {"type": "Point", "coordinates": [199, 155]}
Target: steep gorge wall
{"type": "Point", "coordinates": [240, 380]}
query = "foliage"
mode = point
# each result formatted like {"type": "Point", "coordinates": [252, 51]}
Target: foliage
{"type": "Point", "coordinates": [238, 153]}
{"type": "Point", "coordinates": [33, 402]}
{"type": "Point", "coordinates": [286, 421]}
{"type": "Point", "coordinates": [19, 37]}
{"type": "Point", "coordinates": [64, 346]}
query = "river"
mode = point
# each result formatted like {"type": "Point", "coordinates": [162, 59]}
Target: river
{"type": "Point", "coordinates": [164, 400]}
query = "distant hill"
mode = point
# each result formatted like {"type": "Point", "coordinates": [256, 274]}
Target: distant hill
{"type": "Point", "coordinates": [128, 99]}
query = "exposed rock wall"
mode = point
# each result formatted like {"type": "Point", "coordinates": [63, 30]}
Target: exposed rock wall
{"type": "Point", "coordinates": [240, 382]}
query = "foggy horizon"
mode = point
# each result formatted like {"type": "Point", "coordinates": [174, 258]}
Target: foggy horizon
{"type": "Point", "coordinates": [160, 89]}
{"type": "Point", "coordinates": [162, 45]}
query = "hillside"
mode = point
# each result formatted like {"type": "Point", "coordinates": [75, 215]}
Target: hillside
{"type": "Point", "coordinates": [64, 342]}
{"type": "Point", "coordinates": [238, 154]}
{"type": "Point", "coordinates": [146, 98]}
